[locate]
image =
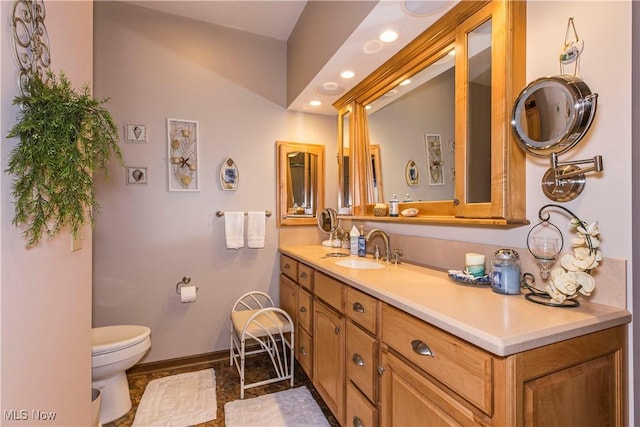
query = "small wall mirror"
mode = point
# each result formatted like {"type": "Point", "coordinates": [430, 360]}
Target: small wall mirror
{"type": "Point", "coordinates": [549, 117]}
{"type": "Point", "coordinates": [300, 172]}
{"type": "Point", "coordinates": [552, 114]}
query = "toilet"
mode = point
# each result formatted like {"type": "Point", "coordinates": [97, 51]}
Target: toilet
{"type": "Point", "coordinates": [114, 349]}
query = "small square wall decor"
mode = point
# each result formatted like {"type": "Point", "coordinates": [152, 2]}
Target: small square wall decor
{"type": "Point", "coordinates": [135, 133]}
{"type": "Point", "coordinates": [136, 175]}
{"type": "Point", "coordinates": [182, 138]}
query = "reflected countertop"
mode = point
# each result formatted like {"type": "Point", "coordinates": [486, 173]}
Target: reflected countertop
{"type": "Point", "coordinates": [500, 324]}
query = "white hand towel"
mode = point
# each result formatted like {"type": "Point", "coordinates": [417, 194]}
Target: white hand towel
{"type": "Point", "coordinates": [234, 229]}
{"type": "Point", "coordinates": [255, 229]}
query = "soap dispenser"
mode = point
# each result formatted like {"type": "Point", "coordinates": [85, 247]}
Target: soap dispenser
{"type": "Point", "coordinates": [353, 236]}
{"type": "Point", "coordinates": [362, 243]}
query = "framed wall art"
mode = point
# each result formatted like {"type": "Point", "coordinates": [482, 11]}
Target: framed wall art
{"type": "Point", "coordinates": [135, 133]}
{"type": "Point", "coordinates": [182, 136]}
{"type": "Point", "coordinates": [137, 175]}
{"type": "Point", "coordinates": [435, 161]}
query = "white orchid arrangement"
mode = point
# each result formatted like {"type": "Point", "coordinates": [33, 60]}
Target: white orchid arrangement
{"type": "Point", "coordinates": [575, 275]}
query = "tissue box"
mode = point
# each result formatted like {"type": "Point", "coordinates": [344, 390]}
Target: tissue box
{"type": "Point", "coordinates": [380, 209]}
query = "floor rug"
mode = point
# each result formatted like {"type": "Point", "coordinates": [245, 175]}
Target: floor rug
{"type": "Point", "coordinates": [178, 400]}
{"type": "Point", "coordinates": [293, 407]}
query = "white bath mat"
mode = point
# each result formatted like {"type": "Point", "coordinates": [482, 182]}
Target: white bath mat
{"type": "Point", "coordinates": [178, 400]}
{"type": "Point", "coordinates": [293, 407]}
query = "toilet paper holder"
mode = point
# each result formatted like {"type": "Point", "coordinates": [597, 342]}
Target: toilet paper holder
{"type": "Point", "coordinates": [185, 281]}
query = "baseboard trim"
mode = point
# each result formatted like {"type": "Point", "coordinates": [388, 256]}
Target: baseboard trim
{"type": "Point", "coordinates": [205, 360]}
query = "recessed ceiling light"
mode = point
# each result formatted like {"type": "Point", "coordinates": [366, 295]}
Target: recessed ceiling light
{"type": "Point", "coordinates": [367, 107]}
{"type": "Point", "coordinates": [315, 103]}
{"type": "Point", "coordinates": [372, 46]}
{"type": "Point", "coordinates": [405, 82]}
{"type": "Point", "coordinates": [423, 8]}
{"type": "Point", "coordinates": [330, 88]}
{"type": "Point", "coordinates": [388, 36]}
{"type": "Point", "coordinates": [347, 74]}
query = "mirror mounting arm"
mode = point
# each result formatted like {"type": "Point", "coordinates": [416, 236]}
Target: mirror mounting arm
{"type": "Point", "coordinates": [564, 181]}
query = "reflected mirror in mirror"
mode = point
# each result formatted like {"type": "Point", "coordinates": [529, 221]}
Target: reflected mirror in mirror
{"type": "Point", "coordinates": [300, 171]}
{"type": "Point", "coordinates": [344, 197]}
{"type": "Point", "coordinates": [399, 122]}
{"type": "Point", "coordinates": [328, 221]}
{"type": "Point", "coordinates": [478, 144]}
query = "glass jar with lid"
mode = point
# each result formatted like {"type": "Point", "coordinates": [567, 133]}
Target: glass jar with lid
{"type": "Point", "coordinates": [505, 272]}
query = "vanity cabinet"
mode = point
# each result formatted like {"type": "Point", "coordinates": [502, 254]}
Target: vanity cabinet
{"type": "Point", "coordinates": [376, 365]}
{"type": "Point", "coordinates": [430, 377]}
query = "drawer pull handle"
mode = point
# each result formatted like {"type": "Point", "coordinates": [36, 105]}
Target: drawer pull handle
{"type": "Point", "coordinates": [357, 422]}
{"type": "Point", "coordinates": [421, 348]}
{"type": "Point", "coordinates": [380, 369]}
{"type": "Point", "coordinates": [286, 266]}
{"type": "Point", "coordinates": [337, 331]}
{"type": "Point", "coordinates": [357, 359]}
{"type": "Point", "coordinates": [303, 309]}
{"type": "Point", "coordinates": [302, 350]}
{"type": "Point", "coordinates": [303, 275]}
{"type": "Point", "coordinates": [358, 307]}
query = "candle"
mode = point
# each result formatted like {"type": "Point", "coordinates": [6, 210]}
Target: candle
{"type": "Point", "coordinates": [474, 264]}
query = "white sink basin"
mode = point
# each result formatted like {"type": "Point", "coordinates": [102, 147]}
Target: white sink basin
{"type": "Point", "coordinates": [359, 264]}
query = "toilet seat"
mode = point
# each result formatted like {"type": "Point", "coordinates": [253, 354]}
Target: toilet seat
{"type": "Point", "coordinates": [108, 339]}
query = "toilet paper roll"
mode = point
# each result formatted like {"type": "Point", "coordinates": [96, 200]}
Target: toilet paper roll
{"type": "Point", "coordinates": [188, 293]}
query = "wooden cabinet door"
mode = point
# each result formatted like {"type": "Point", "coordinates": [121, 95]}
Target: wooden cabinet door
{"type": "Point", "coordinates": [328, 357]}
{"type": "Point", "coordinates": [289, 297]}
{"type": "Point", "coordinates": [409, 399]}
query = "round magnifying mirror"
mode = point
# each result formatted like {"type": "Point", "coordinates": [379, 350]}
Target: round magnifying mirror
{"type": "Point", "coordinates": [328, 220]}
{"type": "Point", "coordinates": [552, 114]}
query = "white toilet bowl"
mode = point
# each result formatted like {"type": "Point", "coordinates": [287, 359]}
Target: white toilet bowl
{"type": "Point", "coordinates": [114, 349]}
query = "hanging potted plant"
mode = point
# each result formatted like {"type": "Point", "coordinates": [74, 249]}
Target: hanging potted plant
{"type": "Point", "coordinates": [65, 136]}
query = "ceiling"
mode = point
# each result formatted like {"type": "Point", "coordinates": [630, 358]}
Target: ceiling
{"type": "Point", "coordinates": [361, 52]}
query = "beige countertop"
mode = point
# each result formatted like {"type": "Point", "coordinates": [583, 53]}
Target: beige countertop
{"type": "Point", "coordinates": [500, 324]}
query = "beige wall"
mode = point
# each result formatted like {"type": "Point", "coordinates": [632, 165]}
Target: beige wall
{"type": "Point", "coordinates": [46, 290]}
{"type": "Point", "coordinates": [156, 66]}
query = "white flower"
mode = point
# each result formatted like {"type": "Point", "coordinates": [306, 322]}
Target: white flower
{"type": "Point", "coordinates": [574, 277]}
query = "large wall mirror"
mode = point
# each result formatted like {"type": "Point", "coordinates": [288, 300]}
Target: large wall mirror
{"type": "Point", "coordinates": [300, 172]}
{"type": "Point", "coordinates": [441, 105]}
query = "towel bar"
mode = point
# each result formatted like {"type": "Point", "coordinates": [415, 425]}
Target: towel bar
{"type": "Point", "coordinates": [221, 213]}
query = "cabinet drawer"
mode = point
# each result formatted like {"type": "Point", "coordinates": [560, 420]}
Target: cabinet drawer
{"type": "Point", "coordinates": [289, 267]}
{"type": "Point", "coordinates": [329, 290]}
{"type": "Point", "coordinates": [362, 309]}
{"type": "Point", "coordinates": [289, 297]}
{"type": "Point", "coordinates": [304, 351]}
{"type": "Point", "coordinates": [361, 360]}
{"type": "Point", "coordinates": [459, 365]}
{"type": "Point", "coordinates": [360, 412]}
{"type": "Point", "coordinates": [305, 276]}
{"type": "Point", "coordinates": [305, 310]}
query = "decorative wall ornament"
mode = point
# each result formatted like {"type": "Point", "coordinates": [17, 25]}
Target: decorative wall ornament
{"type": "Point", "coordinates": [30, 40]}
{"type": "Point", "coordinates": [564, 284]}
{"type": "Point", "coordinates": [137, 175]}
{"type": "Point", "coordinates": [182, 138]}
{"type": "Point", "coordinates": [229, 175]}
{"type": "Point", "coordinates": [411, 173]}
{"type": "Point", "coordinates": [435, 161]}
{"type": "Point", "coordinates": [135, 133]}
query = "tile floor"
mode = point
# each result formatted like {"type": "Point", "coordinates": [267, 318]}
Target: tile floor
{"type": "Point", "coordinates": [227, 387]}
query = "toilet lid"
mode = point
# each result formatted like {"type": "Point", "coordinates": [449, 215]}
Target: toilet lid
{"type": "Point", "coordinates": [110, 338]}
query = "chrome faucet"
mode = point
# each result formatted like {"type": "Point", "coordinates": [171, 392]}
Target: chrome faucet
{"type": "Point", "coordinates": [385, 238]}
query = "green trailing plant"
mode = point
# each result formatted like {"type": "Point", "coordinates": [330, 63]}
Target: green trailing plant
{"type": "Point", "coordinates": [65, 136]}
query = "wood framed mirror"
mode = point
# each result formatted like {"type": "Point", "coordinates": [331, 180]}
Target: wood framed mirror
{"type": "Point", "coordinates": [300, 176]}
{"type": "Point", "coordinates": [480, 170]}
